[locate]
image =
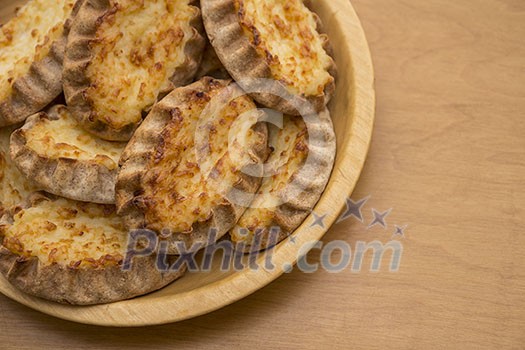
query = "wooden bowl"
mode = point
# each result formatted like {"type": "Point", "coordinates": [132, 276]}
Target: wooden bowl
{"type": "Point", "coordinates": [200, 293]}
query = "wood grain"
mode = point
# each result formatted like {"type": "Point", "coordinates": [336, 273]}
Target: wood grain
{"type": "Point", "coordinates": [448, 156]}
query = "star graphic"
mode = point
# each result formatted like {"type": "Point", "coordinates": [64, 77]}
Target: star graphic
{"type": "Point", "coordinates": [292, 239]}
{"type": "Point", "coordinates": [379, 218]}
{"type": "Point", "coordinates": [400, 230]}
{"type": "Point", "coordinates": [318, 220]}
{"type": "Point", "coordinates": [354, 209]}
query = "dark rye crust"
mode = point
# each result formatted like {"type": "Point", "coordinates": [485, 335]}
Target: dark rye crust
{"type": "Point", "coordinates": [81, 180]}
{"type": "Point", "coordinates": [41, 85]}
{"type": "Point", "coordinates": [65, 285]}
{"type": "Point", "coordinates": [244, 63]}
{"type": "Point", "coordinates": [135, 160]}
{"type": "Point", "coordinates": [83, 286]}
{"type": "Point", "coordinates": [211, 66]}
{"type": "Point", "coordinates": [311, 180]}
{"type": "Point", "coordinates": [78, 57]}
{"type": "Point", "coordinates": [7, 210]}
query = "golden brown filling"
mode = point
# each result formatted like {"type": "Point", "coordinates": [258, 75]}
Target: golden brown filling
{"type": "Point", "coordinates": [285, 34]}
{"type": "Point", "coordinates": [28, 38]}
{"type": "Point", "coordinates": [63, 138]}
{"type": "Point", "coordinates": [74, 234]}
{"type": "Point", "coordinates": [138, 48]}
{"type": "Point", "coordinates": [189, 176]}
{"type": "Point", "coordinates": [290, 145]}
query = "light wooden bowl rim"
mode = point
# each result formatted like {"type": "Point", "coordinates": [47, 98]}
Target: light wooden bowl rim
{"type": "Point", "coordinates": [352, 151]}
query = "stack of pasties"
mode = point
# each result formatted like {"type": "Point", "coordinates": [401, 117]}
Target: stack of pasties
{"type": "Point", "coordinates": [160, 131]}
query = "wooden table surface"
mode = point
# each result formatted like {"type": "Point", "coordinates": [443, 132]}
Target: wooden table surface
{"type": "Point", "coordinates": [448, 157]}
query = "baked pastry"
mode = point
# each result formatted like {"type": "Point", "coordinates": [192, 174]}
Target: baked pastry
{"type": "Point", "coordinates": [72, 252]}
{"type": "Point", "coordinates": [211, 66]}
{"type": "Point", "coordinates": [191, 169]}
{"type": "Point", "coordinates": [301, 163]}
{"type": "Point", "coordinates": [14, 187]}
{"type": "Point", "coordinates": [57, 155]}
{"type": "Point", "coordinates": [275, 40]}
{"type": "Point", "coordinates": [32, 48]}
{"type": "Point", "coordinates": [123, 54]}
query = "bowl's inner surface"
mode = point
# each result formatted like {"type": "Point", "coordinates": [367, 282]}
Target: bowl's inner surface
{"type": "Point", "coordinates": [201, 292]}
